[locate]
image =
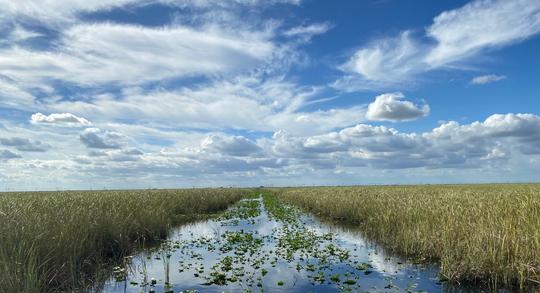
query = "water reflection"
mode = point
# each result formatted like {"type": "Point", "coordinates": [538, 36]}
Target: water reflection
{"type": "Point", "coordinates": [245, 252]}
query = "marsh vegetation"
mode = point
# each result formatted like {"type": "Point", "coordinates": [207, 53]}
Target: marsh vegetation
{"type": "Point", "coordinates": [350, 239]}
{"type": "Point", "coordinates": [53, 241]}
{"type": "Point", "coordinates": [477, 233]}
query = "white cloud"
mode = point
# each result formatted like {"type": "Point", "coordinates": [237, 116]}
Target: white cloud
{"type": "Point", "coordinates": [480, 25]}
{"type": "Point", "coordinates": [54, 11]}
{"type": "Point", "coordinates": [484, 79]}
{"type": "Point", "coordinates": [115, 155]}
{"type": "Point", "coordinates": [25, 144]}
{"type": "Point", "coordinates": [14, 95]}
{"type": "Point", "coordinates": [19, 34]}
{"type": "Point", "coordinates": [450, 145]}
{"type": "Point", "coordinates": [226, 4]}
{"type": "Point", "coordinates": [60, 119]}
{"type": "Point", "coordinates": [315, 122]}
{"type": "Point", "coordinates": [152, 125]}
{"type": "Point", "coordinates": [244, 67]}
{"type": "Point", "coordinates": [312, 29]}
{"type": "Point", "coordinates": [267, 105]}
{"type": "Point", "coordinates": [101, 139]}
{"type": "Point", "coordinates": [34, 140]}
{"type": "Point", "coordinates": [231, 145]}
{"type": "Point", "coordinates": [106, 53]}
{"type": "Point", "coordinates": [7, 155]}
{"type": "Point", "coordinates": [392, 107]}
{"type": "Point", "coordinates": [383, 63]}
{"type": "Point", "coordinates": [493, 144]}
{"type": "Point", "coordinates": [455, 38]}
{"type": "Point", "coordinates": [306, 32]}
{"type": "Point", "coordinates": [60, 12]}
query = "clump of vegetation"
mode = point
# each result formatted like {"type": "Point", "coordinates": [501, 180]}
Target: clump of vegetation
{"type": "Point", "coordinates": [243, 210]}
{"type": "Point", "coordinates": [241, 243]}
{"type": "Point", "coordinates": [279, 211]}
{"type": "Point", "coordinates": [485, 233]}
{"type": "Point", "coordinates": [51, 241]}
{"type": "Point", "coordinates": [315, 252]}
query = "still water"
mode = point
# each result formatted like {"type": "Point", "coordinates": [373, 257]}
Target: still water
{"type": "Point", "coordinates": [255, 247]}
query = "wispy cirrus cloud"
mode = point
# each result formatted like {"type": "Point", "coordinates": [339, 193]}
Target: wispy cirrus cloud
{"type": "Point", "coordinates": [267, 105]}
{"type": "Point", "coordinates": [489, 25]}
{"type": "Point", "coordinates": [383, 63]}
{"type": "Point", "coordinates": [133, 54]}
{"type": "Point", "coordinates": [19, 34]}
{"type": "Point", "coordinates": [485, 79]}
{"type": "Point", "coordinates": [62, 12]}
{"type": "Point", "coordinates": [454, 38]}
{"type": "Point", "coordinates": [306, 32]}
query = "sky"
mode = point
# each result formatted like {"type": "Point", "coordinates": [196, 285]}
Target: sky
{"type": "Point", "coordinates": [189, 93]}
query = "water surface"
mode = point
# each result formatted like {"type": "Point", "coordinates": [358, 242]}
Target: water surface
{"type": "Point", "coordinates": [259, 246]}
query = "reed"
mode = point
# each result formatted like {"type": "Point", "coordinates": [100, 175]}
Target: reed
{"type": "Point", "coordinates": [51, 241]}
{"type": "Point", "coordinates": [488, 233]}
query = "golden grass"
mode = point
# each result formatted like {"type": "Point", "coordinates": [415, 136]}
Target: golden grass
{"type": "Point", "coordinates": [57, 240]}
{"type": "Point", "coordinates": [485, 233]}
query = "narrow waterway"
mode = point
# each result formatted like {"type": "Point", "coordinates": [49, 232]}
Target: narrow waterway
{"type": "Point", "coordinates": [268, 246]}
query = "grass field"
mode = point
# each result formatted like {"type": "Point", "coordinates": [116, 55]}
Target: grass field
{"type": "Point", "coordinates": [487, 233]}
{"type": "Point", "coordinates": [58, 240]}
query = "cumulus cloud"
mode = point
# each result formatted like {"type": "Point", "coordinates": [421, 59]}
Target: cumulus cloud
{"type": "Point", "coordinates": [25, 144]}
{"type": "Point", "coordinates": [7, 155]}
{"type": "Point", "coordinates": [392, 107]}
{"type": "Point", "coordinates": [455, 37]}
{"type": "Point", "coordinates": [101, 139]}
{"type": "Point", "coordinates": [217, 154]}
{"type": "Point", "coordinates": [497, 141]}
{"type": "Point", "coordinates": [450, 145]}
{"type": "Point", "coordinates": [60, 119]}
{"type": "Point", "coordinates": [115, 155]}
{"type": "Point", "coordinates": [484, 79]}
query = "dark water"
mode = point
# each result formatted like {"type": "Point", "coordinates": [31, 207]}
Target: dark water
{"type": "Point", "coordinates": [245, 252]}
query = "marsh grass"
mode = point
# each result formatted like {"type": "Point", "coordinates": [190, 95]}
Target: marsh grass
{"type": "Point", "coordinates": [478, 233]}
{"type": "Point", "coordinates": [51, 241]}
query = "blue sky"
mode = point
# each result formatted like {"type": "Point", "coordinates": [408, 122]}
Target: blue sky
{"type": "Point", "coordinates": [180, 93]}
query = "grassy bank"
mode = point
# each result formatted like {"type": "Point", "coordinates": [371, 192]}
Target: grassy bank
{"type": "Point", "coordinates": [57, 240]}
{"type": "Point", "coordinates": [485, 233]}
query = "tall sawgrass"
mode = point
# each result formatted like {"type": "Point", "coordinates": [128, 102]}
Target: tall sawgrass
{"type": "Point", "coordinates": [52, 241]}
{"type": "Point", "coordinates": [485, 233]}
